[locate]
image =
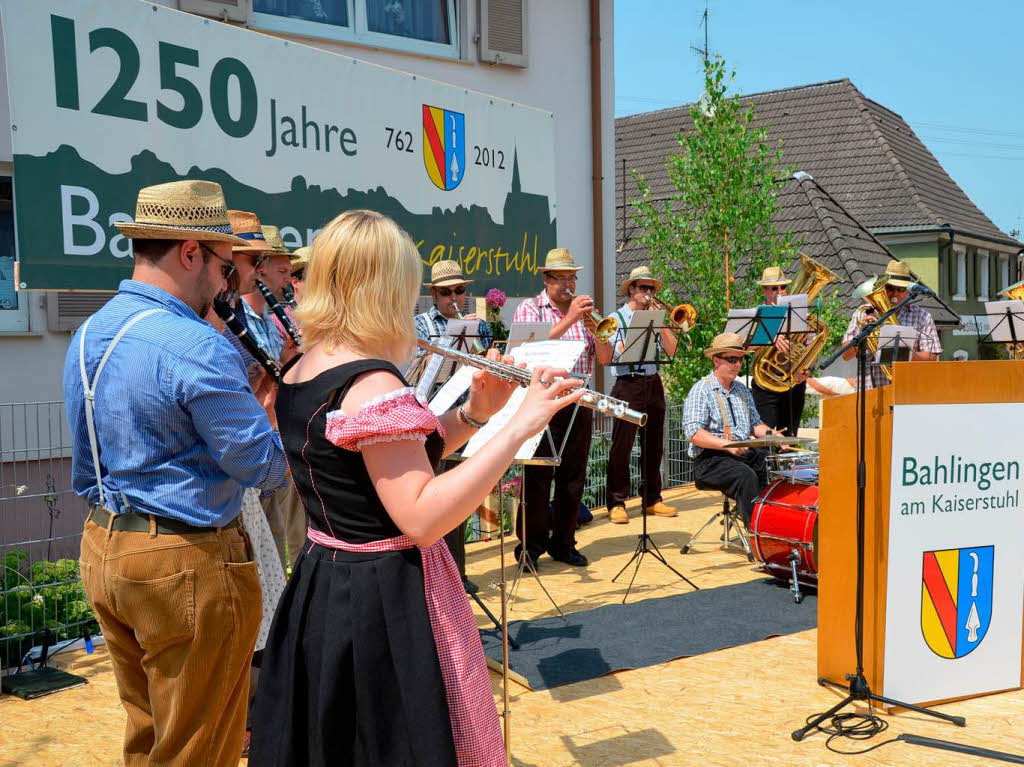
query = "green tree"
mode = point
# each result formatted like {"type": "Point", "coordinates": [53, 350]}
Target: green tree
{"type": "Point", "coordinates": [712, 235]}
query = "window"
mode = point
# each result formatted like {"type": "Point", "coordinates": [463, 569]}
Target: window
{"type": "Point", "coordinates": [983, 275]}
{"type": "Point", "coordinates": [417, 26]}
{"type": "Point", "coordinates": [961, 273]}
{"type": "Point", "coordinates": [14, 309]}
{"type": "Point", "coordinates": [1004, 271]}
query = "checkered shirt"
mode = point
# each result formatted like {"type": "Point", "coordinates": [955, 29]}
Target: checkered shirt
{"type": "Point", "coordinates": [393, 416]}
{"type": "Point", "coordinates": [540, 309]}
{"type": "Point", "coordinates": [432, 325]}
{"type": "Point", "coordinates": [912, 316]}
{"type": "Point", "coordinates": [263, 330]}
{"type": "Point", "coordinates": [701, 411]}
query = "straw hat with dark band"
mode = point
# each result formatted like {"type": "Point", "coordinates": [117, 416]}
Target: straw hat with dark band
{"type": "Point", "coordinates": [640, 273]}
{"type": "Point", "coordinates": [773, 276]}
{"type": "Point", "coordinates": [275, 245]}
{"type": "Point", "coordinates": [247, 226]}
{"type": "Point", "coordinates": [724, 343]}
{"type": "Point", "coordinates": [444, 274]}
{"type": "Point", "coordinates": [300, 257]}
{"type": "Point", "coordinates": [898, 273]}
{"type": "Point", "coordinates": [560, 260]}
{"type": "Point", "coordinates": [181, 210]}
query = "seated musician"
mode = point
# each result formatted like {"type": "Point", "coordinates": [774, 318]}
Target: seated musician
{"type": "Point", "coordinates": [719, 410]}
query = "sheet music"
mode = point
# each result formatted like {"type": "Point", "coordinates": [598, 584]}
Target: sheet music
{"type": "Point", "coordinates": [771, 318]}
{"type": "Point", "coordinates": [455, 328]}
{"type": "Point", "coordinates": [561, 354]}
{"type": "Point", "coordinates": [433, 367]}
{"type": "Point", "coordinates": [633, 346]}
{"type": "Point", "coordinates": [527, 332]}
{"type": "Point", "coordinates": [453, 388]}
{"type": "Point", "coordinates": [892, 350]}
{"type": "Point", "coordinates": [797, 320]}
{"type": "Point", "coordinates": [739, 321]}
{"type": "Point", "coordinates": [1002, 330]}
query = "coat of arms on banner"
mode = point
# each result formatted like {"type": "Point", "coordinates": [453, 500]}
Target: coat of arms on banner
{"type": "Point", "coordinates": [444, 146]}
{"type": "Point", "coordinates": [956, 599]}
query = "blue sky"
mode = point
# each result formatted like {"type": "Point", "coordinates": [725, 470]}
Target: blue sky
{"type": "Point", "coordinates": [953, 70]}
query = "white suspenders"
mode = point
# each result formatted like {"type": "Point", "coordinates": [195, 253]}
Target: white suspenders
{"type": "Point", "coordinates": [90, 389]}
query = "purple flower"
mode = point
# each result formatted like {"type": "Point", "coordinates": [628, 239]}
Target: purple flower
{"type": "Point", "coordinates": [495, 297]}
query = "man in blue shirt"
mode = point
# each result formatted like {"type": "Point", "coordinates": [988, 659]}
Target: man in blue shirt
{"type": "Point", "coordinates": [166, 434]}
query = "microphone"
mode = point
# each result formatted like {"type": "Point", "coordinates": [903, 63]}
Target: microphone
{"type": "Point", "coordinates": [920, 289]}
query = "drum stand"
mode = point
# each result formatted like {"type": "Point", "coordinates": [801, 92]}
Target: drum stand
{"type": "Point", "coordinates": [858, 688]}
{"type": "Point", "coordinates": [645, 544]}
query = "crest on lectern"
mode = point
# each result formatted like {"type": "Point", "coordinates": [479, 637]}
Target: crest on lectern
{"type": "Point", "coordinates": [956, 599]}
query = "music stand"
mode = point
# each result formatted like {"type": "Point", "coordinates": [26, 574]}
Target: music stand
{"type": "Point", "coordinates": [527, 333]}
{"type": "Point", "coordinates": [1006, 322]}
{"type": "Point", "coordinates": [642, 346]}
{"type": "Point", "coordinates": [895, 344]}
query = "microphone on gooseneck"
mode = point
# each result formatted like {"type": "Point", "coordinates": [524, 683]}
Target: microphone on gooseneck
{"type": "Point", "coordinates": [920, 289]}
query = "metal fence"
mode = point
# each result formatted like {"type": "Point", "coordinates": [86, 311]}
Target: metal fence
{"type": "Point", "coordinates": [41, 520]}
{"type": "Point", "coordinates": [40, 531]}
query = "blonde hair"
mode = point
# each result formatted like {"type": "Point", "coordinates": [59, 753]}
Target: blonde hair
{"type": "Point", "coordinates": [361, 285]}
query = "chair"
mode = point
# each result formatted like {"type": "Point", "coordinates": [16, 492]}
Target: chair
{"type": "Point", "coordinates": [730, 518]}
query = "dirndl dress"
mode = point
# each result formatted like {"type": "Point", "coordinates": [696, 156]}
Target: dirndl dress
{"type": "Point", "coordinates": [352, 671]}
{"type": "Point", "coordinates": [268, 563]}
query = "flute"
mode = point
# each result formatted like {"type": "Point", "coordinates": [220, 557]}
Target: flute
{"type": "Point", "coordinates": [591, 399]}
{"type": "Point", "coordinates": [282, 315]}
{"type": "Point", "coordinates": [226, 313]}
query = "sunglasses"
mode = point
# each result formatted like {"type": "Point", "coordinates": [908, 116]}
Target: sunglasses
{"type": "Point", "coordinates": [645, 288]}
{"type": "Point", "coordinates": [772, 288]}
{"type": "Point", "coordinates": [561, 280]}
{"type": "Point", "coordinates": [445, 292]}
{"type": "Point", "coordinates": [895, 289]}
{"type": "Point", "coordinates": [227, 267]}
{"type": "Point", "coordinates": [731, 360]}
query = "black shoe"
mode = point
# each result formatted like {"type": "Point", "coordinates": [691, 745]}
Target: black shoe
{"type": "Point", "coordinates": [570, 555]}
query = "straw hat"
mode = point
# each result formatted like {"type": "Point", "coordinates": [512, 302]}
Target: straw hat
{"type": "Point", "coordinates": [898, 273]}
{"type": "Point", "coordinates": [773, 276]}
{"type": "Point", "coordinates": [300, 257]}
{"type": "Point", "coordinates": [180, 210]}
{"type": "Point", "coordinates": [275, 245]}
{"type": "Point", "coordinates": [640, 273]}
{"type": "Point", "coordinates": [247, 226]}
{"type": "Point", "coordinates": [445, 274]}
{"type": "Point", "coordinates": [560, 260]}
{"type": "Point", "coordinates": [726, 342]}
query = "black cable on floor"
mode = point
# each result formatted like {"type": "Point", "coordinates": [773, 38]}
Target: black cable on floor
{"type": "Point", "coordinates": [854, 726]}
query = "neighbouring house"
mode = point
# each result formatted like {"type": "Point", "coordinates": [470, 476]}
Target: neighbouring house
{"type": "Point", "coordinates": [868, 161]}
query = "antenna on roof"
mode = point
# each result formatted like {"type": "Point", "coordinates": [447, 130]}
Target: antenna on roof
{"type": "Point", "coordinates": [704, 23]}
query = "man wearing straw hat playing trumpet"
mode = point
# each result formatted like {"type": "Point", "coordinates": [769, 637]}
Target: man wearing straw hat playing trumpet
{"type": "Point", "coordinates": [640, 386]}
{"type": "Point", "coordinates": [571, 319]}
{"type": "Point", "coordinates": [448, 291]}
{"type": "Point", "coordinates": [166, 434]}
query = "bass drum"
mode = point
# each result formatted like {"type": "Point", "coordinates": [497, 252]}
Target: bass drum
{"type": "Point", "coordinates": [784, 529]}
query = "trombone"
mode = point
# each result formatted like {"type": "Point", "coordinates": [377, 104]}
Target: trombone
{"type": "Point", "coordinates": [604, 327]}
{"type": "Point", "coordinates": [683, 317]}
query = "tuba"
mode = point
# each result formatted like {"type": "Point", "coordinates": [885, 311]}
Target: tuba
{"type": "Point", "coordinates": [877, 299]}
{"type": "Point", "coordinates": [773, 369]}
{"type": "Point", "coordinates": [1014, 293]}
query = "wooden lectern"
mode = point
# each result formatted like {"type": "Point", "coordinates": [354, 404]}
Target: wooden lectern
{"type": "Point", "coordinates": [914, 383]}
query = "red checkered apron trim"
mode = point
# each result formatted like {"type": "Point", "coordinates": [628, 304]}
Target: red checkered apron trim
{"type": "Point", "coordinates": [474, 716]}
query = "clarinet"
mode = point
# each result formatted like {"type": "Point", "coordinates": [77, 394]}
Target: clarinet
{"type": "Point", "coordinates": [226, 313]}
{"type": "Point", "coordinates": [282, 315]}
{"type": "Point", "coordinates": [289, 296]}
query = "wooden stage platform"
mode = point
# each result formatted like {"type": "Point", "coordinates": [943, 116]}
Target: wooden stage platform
{"type": "Point", "coordinates": [732, 707]}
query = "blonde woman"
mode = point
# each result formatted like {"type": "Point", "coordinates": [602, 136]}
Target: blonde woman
{"type": "Point", "coordinates": [374, 656]}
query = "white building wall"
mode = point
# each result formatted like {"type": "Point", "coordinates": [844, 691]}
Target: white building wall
{"type": "Point", "coordinates": [557, 79]}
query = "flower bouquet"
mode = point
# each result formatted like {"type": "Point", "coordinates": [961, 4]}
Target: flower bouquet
{"type": "Point", "coordinates": [495, 299]}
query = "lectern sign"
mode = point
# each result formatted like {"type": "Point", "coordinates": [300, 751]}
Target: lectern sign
{"type": "Point", "coordinates": [955, 593]}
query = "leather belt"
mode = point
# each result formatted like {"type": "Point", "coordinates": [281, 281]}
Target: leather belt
{"type": "Point", "coordinates": [140, 523]}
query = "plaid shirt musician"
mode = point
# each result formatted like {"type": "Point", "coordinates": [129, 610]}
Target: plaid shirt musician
{"type": "Point", "coordinates": [928, 347]}
{"type": "Point", "coordinates": [572, 320]}
{"type": "Point", "coordinates": [719, 409]}
{"type": "Point", "coordinates": [640, 386]}
{"type": "Point", "coordinates": [448, 291]}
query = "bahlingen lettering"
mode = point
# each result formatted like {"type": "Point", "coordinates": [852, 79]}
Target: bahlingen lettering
{"type": "Point", "coordinates": [310, 134]}
{"type": "Point", "coordinates": [957, 471]}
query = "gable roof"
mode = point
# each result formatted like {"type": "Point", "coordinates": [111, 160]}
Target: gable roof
{"type": "Point", "coordinates": [865, 154]}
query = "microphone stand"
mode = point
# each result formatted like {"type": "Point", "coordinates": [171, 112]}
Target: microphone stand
{"type": "Point", "coordinates": [858, 687]}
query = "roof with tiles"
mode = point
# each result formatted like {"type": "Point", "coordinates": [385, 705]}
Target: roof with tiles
{"type": "Point", "coordinates": [866, 155]}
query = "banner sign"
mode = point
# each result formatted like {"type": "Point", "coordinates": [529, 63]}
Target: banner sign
{"type": "Point", "coordinates": [108, 96]}
{"type": "Point", "coordinates": [955, 599]}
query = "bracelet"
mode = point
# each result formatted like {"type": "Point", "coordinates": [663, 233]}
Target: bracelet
{"type": "Point", "coordinates": [472, 422]}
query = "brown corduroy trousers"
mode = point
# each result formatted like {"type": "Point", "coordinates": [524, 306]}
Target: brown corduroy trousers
{"type": "Point", "coordinates": [180, 615]}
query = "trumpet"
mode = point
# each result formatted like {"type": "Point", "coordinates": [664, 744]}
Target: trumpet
{"type": "Point", "coordinates": [591, 399]}
{"type": "Point", "coordinates": [683, 317]}
{"type": "Point", "coordinates": [604, 327]}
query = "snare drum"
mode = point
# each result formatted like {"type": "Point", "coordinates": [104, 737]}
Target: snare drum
{"type": "Point", "coordinates": [784, 528]}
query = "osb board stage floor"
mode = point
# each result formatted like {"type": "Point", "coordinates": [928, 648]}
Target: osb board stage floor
{"type": "Point", "coordinates": [732, 707]}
